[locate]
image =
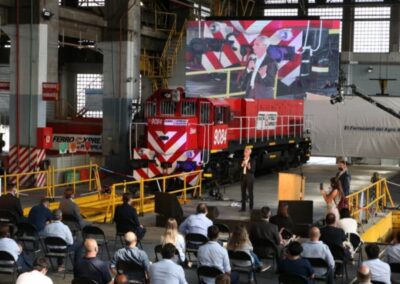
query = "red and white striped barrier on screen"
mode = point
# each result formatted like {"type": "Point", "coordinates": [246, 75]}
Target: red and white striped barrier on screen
{"type": "Point", "coordinates": [28, 161]}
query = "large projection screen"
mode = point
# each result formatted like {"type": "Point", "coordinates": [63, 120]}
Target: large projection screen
{"type": "Point", "coordinates": [262, 58]}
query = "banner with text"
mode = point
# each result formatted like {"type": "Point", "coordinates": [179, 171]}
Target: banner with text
{"type": "Point", "coordinates": [84, 143]}
{"type": "Point", "coordinates": [354, 128]}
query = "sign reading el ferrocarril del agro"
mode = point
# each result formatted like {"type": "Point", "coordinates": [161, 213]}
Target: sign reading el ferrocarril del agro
{"type": "Point", "coordinates": [84, 143]}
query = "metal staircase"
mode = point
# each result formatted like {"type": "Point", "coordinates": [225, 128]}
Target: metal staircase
{"type": "Point", "coordinates": [160, 68]}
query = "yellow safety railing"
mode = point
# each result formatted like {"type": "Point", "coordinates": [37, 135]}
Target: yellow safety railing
{"type": "Point", "coordinates": [366, 202]}
{"type": "Point", "coordinates": [148, 199]}
{"type": "Point", "coordinates": [52, 176]}
{"type": "Point", "coordinates": [228, 72]}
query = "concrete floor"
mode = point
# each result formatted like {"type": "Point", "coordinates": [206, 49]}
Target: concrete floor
{"type": "Point", "coordinates": [265, 194]}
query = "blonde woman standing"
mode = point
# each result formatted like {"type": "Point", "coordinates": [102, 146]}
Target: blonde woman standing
{"type": "Point", "coordinates": [172, 236]}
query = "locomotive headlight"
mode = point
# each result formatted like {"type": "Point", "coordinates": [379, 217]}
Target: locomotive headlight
{"type": "Point", "coordinates": [167, 95]}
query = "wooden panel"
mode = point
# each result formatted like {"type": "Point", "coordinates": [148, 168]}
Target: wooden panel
{"type": "Point", "coordinates": [291, 186]}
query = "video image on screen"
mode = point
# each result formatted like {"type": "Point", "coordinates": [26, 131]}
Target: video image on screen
{"type": "Point", "coordinates": [262, 58]}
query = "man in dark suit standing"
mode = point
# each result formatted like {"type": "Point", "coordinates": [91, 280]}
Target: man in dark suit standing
{"type": "Point", "coordinates": [248, 168]}
{"type": "Point", "coordinates": [344, 177]}
{"type": "Point", "coordinates": [126, 218]}
{"type": "Point", "coordinates": [264, 230]}
{"type": "Point", "coordinates": [259, 76]}
{"type": "Point", "coordinates": [9, 202]}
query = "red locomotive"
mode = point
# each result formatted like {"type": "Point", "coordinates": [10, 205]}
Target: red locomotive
{"type": "Point", "coordinates": [183, 134]}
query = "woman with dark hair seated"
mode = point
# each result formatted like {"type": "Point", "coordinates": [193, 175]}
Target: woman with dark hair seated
{"type": "Point", "coordinates": [283, 220]}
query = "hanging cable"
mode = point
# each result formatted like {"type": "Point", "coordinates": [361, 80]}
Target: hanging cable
{"type": "Point", "coordinates": [30, 82]}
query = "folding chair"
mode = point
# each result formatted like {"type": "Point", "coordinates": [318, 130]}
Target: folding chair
{"type": "Point", "coordinates": [208, 271]}
{"type": "Point", "coordinates": [395, 269]}
{"type": "Point", "coordinates": [56, 247]}
{"type": "Point", "coordinates": [158, 250]}
{"type": "Point", "coordinates": [357, 244]}
{"type": "Point", "coordinates": [97, 234]}
{"type": "Point", "coordinates": [134, 271]}
{"type": "Point", "coordinates": [28, 236]}
{"type": "Point", "coordinates": [292, 278]}
{"type": "Point", "coordinates": [338, 253]}
{"type": "Point", "coordinates": [73, 223]}
{"type": "Point", "coordinates": [9, 218]}
{"type": "Point", "coordinates": [320, 263]}
{"type": "Point", "coordinates": [193, 242]}
{"type": "Point", "coordinates": [83, 281]}
{"type": "Point", "coordinates": [266, 249]}
{"type": "Point", "coordinates": [242, 257]}
{"type": "Point", "coordinates": [224, 231]}
{"type": "Point", "coordinates": [8, 265]}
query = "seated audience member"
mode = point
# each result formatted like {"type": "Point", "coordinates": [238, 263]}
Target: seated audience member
{"type": "Point", "coordinates": [380, 271]}
{"type": "Point", "coordinates": [130, 253]}
{"type": "Point", "coordinates": [363, 275]}
{"type": "Point", "coordinates": [334, 237]}
{"type": "Point", "coordinates": [172, 236]}
{"type": "Point", "coordinates": [126, 218]}
{"type": "Point", "coordinates": [265, 230]}
{"type": "Point", "coordinates": [40, 215]}
{"type": "Point", "coordinates": [223, 279]}
{"type": "Point", "coordinates": [213, 254]}
{"type": "Point", "coordinates": [37, 275]}
{"type": "Point", "coordinates": [239, 241]}
{"type": "Point", "coordinates": [314, 248]}
{"type": "Point", "coordinates": [9, 202]}
{"type": "Point", "coordinates": [346, 223]}
{"type": "Point", "coordinates": [282, 218]}
{"type": "Point", "coordinates": [121, 279]}
{"type": "Point", "coordinates": [197, 223]}
{"type": "Point", "coordinates": [90, 267]}
{"type": "Point", "coordinates": [59, 229]}
{"type": "Point", "coordinates": [165, 270]}
{"type": "Point", "coordinates": [294, 264]}
{"type": "Point", "coordinates": [392, 253]}
{"type": "Point", "coordinates": [7, 244]}
{"type": "Point", "coordinates": [69, 208]}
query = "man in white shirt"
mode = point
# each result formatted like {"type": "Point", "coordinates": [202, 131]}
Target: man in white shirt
{"type": "Point", "coordinates": [165, 270]}
{"type": "Point", "coordinates": [197, 223]}
{"type": "Point", "coordinates": [213, 254]}
{"type": "Point", "coordinates": [59, 229]}
{"type": "Point", "coordinates": [7, 244]}
{"type": "Point", "coordinates": [315, 248]}
{"type": "Point", "coordinates": [380, 271]}
{"type": "Point", "coordinates": [37, 275]}
{"type": "Point", "coordinates": [346, 223]}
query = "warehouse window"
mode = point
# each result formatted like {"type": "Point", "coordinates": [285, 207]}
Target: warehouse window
{"type": "Point", "coordinates": [205, 11]}
{"type": "Point", "coordinates": [329, 13]}
{"type": "Point", "coordinates": [93, 84]}
{"type": "Point", "coordinates": [280, 12]}
{"type": "Point", "coordinates": [281, 1]}
{"type": "Point", "coordinates": [371, 29]}
{"type": "Point", "coordinates": [85, 3]}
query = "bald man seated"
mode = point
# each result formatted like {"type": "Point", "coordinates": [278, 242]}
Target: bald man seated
{"type": "Point", "coordinates": [121, 279]}
{"type": "Point", "coordinates": [314, 248]}
{"type": "Point", "coordinates": [90, 267]}
{"type": "Point", "coordinates": [364, 275]}
{"type": "Point", "coordinates": [130, 253]}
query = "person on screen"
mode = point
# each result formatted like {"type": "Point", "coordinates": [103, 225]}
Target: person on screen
{"type": "Point", "coordinates": [258, 79]}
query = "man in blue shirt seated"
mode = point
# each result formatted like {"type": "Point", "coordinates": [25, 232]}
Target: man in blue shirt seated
{"type": "Point", "coordinates": [296, 265]}
{"type": "Point", "coordinates": [167, 271]}
{"type": "Point", "coordinates": [130, 253]}
{"type": "Point", "coordinates": [213, 254]}
{"type": "Point", "coordinates": [59, 229]}
{"type": "Point", "coordinates": [90, 267]}
{"type": "Point", "coordinates": [197, 223]}
{"type": "Point", "coordinates": [7, 244]}
{"type": "Point", "coordinates": [40, 215]}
